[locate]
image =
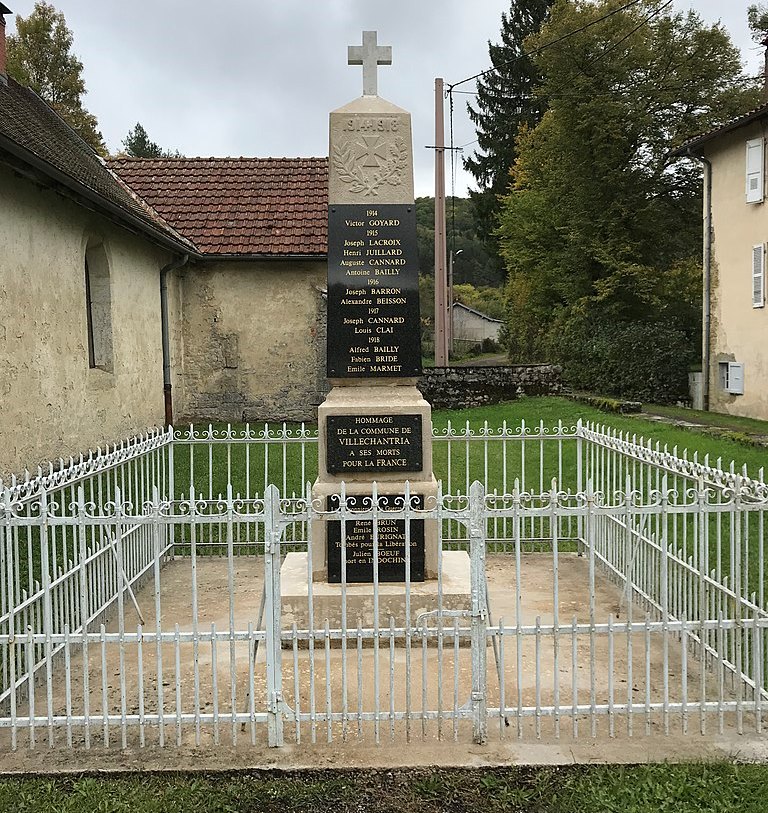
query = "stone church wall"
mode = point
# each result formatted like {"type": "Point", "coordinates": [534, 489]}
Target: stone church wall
{"type": "Point", "coordinates": [253, 341]}
{"type": "Point", "coordinates": [51, 402]}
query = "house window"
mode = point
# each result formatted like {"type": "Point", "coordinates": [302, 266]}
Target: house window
{"type": "Point", "coordinates": [755, 171]}
{"type": "Point", "coordinates": [758, 276]}
{"type": "Point", "coordinates": [731, 377]}
{"type": "Point", "coordinates": [724, 377]}
{"type": "Point", "coordinates": [98, 308]}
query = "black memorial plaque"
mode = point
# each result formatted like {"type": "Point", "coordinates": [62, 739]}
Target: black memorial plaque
{"type": "Point", "coordinates": [380, 443]}
{"type": "Point", "coordinates": [374, 329]}
{"type": "Point", "coordinates": [391, 543]}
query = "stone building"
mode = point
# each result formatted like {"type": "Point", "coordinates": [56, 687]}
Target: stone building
{"type": "Point", "coordinates": [252, 329]}
{"type": "Point", "coordinates": [470, 325]}
{"type": "Point", "coordinates": [137, 292]}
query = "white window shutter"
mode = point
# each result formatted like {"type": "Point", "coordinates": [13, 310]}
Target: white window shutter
{"type": "Point", "coordinates": [755, 170]}
{"type": "Point", "coordinates": [758, 276]}
{"type": "Point", "coordinates": [735, 378]}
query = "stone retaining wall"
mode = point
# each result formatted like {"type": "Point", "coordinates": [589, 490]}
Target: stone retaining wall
{"type": "Point", "coordinates": [463, 387]}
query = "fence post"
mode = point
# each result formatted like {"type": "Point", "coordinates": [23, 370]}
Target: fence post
{"type": "Point", "coordinates": [479, 612]}
{"type": "Point", "coordinates": [171, 468]}
{"type": "Point", "coordinates": [579, 483]}
{"type": "Point", "coordinates": [82, 558]}
{"type": "Point", "coordinates": [273, 612]}
{"type": "Point", "coordinates": [170, 495]}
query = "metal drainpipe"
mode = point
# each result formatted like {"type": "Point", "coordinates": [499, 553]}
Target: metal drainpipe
{"type": "Point", "coordinates": [707, 263]}
{"type": "Point", "coordinates": [179, 262]}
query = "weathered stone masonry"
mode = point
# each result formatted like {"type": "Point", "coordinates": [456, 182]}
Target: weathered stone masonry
{"type": "Point", "coordinates": [254, 341]}
{"type": "Point", "coordinates": [464, 387]}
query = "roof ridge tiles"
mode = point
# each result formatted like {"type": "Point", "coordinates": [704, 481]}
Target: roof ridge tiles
{"type": "Point", "coordinates": [274, 206]}
{"type": "Point", "coordinates": [725, 127]}
{"type": "Point", "coordinates": [180, 158]}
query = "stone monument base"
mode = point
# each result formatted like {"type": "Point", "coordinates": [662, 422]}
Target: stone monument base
{"type": "Point", "coordinates": [326, 597]}
{"type": "Point", "coordinates": [321, 492]}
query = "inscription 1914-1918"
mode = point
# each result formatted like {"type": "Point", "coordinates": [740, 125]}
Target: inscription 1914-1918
{"type": "Point", "coordinates": [358, 549]}
{"type": "Point", "coordinates": [381, 443]}
{"type": "Point", "coordinates": [373, 292]}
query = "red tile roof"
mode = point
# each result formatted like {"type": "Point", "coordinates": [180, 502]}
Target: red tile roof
{"type": "Point", "coordinates": [693, 144]}
{"type": "Point", "coordinates": [240, 206]}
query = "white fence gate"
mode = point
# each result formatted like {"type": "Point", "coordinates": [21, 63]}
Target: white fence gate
{"type": "Point", "coordinates": [614, 587]}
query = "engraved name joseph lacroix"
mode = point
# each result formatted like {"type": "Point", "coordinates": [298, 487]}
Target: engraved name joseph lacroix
{"type": "Point", "coordinates": [371, 155]}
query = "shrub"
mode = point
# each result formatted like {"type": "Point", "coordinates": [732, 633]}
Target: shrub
{"type": "Point", "coordinates": [646, 361]}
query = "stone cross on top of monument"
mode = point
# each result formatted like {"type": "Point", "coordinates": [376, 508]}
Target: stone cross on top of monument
{"type": "Point", "coordinates": [370, 56]}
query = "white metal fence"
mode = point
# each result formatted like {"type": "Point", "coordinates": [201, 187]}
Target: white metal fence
{"type": "Point", "coordinates": [614, 586]}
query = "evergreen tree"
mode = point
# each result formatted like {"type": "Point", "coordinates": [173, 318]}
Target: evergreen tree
{"type": "Point", "coordinates": [506, 102]}
{"type": "Point", "coordinates": [40, 56]}
{"type": "Point", "coordinates": [138, 145]}
{"type": "Point", "coordinates": [473, 265]}
{"type": "Point", "coordinates": [601, 229]}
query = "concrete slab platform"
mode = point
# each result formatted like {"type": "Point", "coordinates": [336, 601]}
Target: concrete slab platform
{"type": "Point", "coordinates": [327, 598]}
{"type": "Point", "coordinates": [637, 668]}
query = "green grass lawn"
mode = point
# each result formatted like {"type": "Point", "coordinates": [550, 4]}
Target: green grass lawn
{"type": "Point", "coordinates": [552, 410]}
{"type": "Point", "coordinates": [716, 788]}
{"type": "Point", "coordinates": [533, 464]}
{"type": "Point", "coordinates": [720, 419]}
{"type": "Point", "coordinates": [210, 472]}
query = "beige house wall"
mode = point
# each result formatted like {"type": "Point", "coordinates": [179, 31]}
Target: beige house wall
{"type": "Point", "coordinates": [51, 403]}
{"type": "Point", "coordinates": [739, 332]}
{"type": "Point", "coordinates": [253, 341]}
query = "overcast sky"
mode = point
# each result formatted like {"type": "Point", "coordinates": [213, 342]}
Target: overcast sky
{"type": "Point", "coordinates": [258, 77]}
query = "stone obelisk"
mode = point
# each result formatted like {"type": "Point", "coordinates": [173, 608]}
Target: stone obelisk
{"type": "Point", "coordinates": [374, 425]}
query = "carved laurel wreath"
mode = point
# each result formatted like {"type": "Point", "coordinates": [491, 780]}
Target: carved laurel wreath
{"type": "Point", "coordinates": [351, 172]}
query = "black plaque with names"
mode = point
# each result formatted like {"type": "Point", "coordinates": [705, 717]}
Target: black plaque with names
{"type": "Point", "coordinates": [391, 543]}
{"type": "Point", "coordinates": [374, 329]}
{"type": "Point", "coordinates": [380, 443]}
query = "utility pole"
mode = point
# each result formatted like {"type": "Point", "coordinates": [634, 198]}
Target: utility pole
{"type": "Point", "coordinates": [441, 280]}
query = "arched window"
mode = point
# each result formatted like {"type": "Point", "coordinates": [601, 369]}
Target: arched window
{"type": "Point", "coordinates": [98, 302]}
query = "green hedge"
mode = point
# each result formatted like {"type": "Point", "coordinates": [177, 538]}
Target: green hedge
{"type": "Point", "coordinates": [645, 361]}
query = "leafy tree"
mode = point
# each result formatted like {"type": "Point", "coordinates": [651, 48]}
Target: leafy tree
{"type": "Point", "coordinates": [138, 145]}
{"type": "Point", "coordinates": [757, 17]}
{"type": "Point", "coordinates": [599, 220]}
{"type": "Point", "coordinates": [40, 56]}
{"type": "Point", "coordinates": [489, 301]}
{"type": "Point", "coordinates": [506, 102]}
{"type": "Point", "coordinates": [473, 265]}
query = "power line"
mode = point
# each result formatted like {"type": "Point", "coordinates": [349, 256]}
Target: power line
{"type": "Point", "coordinates": [545, 45]}
{"type": "Point", "coordinates": [527, 98]}
{"type": "Point", "coordinates": [613, 46]}
{"type": "Point", "coordinates": [616, 44]}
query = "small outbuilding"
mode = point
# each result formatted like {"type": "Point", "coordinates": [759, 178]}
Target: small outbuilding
{"type": "Point", "coordinates": [470, 325]}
